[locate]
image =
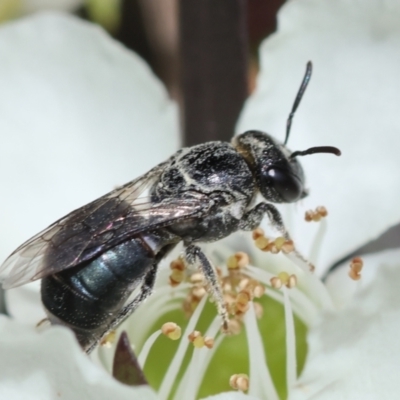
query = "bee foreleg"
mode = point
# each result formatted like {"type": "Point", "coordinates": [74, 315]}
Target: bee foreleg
{"type": "Point", "coordinates": [194, 255]}
{"type": "Point", "coordinates": [252, 219]}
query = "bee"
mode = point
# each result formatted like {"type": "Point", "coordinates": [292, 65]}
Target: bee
{"type": "Point", "coordinates": [91, 260]}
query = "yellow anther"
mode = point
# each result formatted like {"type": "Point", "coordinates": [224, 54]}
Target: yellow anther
{"type": "Point", "coordinates": [322, 211]}
{"type": "Point", "coordinates": [198, 342]}
{"type": "Point", "coordinates": [242, 301]}
{"type": "Point", "coordinates": [259, 291]}
{"type": "Point", "coordinates": [284, 277]}
{"type": "Point", "coordinates": [258, 309]}
{"type": "Point", "coordinates": [272, 248]}
{"type": "Point", "coordinates": [244, 283]}
{"type": "Point", "coordinates": [316, 217]}
{"type": "Point", "coordinates": [234, 327]}
{"type": "Point", "coordinates": [239, 382]}
{"type": "Point", "coordinates": [238, 260]}
{"type": "Point", "coordinates": [197, 339]}
{"type": "Point", "coordinates": [279, 242]}
{"type": "Point", "coordinates": [171, 330]}
{"type": "Point", "coordinates": [190, 304]}
{"type": "Point", "coordinates": [356, 266]}
{"type": "Point", "coordinates": [229, 298]}
{"type": "Point", "coordinates": [208, 342]}
{"type": "Point", "coordinates": [232, 263]}
{"type": "Point", "coordinates": [176, 277]}
{"type": "Point", "coordinates": [276, 283]}
{"type": "Point", "coordinates": [261, 242]}
{"type": "Point", "coordinates": [309, 216]}
{"type": "Point", "coordinates": [288, 247]}
{"type": "Point", "coordinates": [199, 292]}
{"type": "Point", "coordinates": [227, 287]}
{"type": "Point", "coordinates": [177, 264]}
{"type": "Point", "coordinates": [255, 288]}
{"type": "Point", "coordinates": [193, 335]}
{"type": "Point", "coordinates": [197, 278]}
{"type": "Point", "coordinates": [243, 259]}
{"type": "Point", "coordinates": [292, 281]}
{"type": "Point", "coordinates": [109, 339]}
{"type": "Point", "coordinates": [354, 275]}
{"type": "Point", "coordinates": [258, 233]}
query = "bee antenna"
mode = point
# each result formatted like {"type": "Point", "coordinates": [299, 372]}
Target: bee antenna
{"type": "Point", "coordinates": [320, 149]}
{"type": "Point", "coordinates": [300, 93]}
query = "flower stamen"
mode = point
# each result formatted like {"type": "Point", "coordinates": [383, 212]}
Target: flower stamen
{"type": "Point", "coordinates": [238, 260]}
{"type": "Point", "coordinates": [171, 330]}
{"type": "Point", "coordinates": [316, 216]}
{"type": "Point", "coordinates": [239, 382]}
{"type": "Point", "coordinates": [291, 360]}
{"type": "Point", "coordinates": [208, 342]}
{"type": "Point", "coordinates": [197, 339]}
{"type": "Point", "coordinates": [177, 272]}
{"type": "Point", "coordinates": [356, 266]}
{"type": "Point", "coordinates": [108, 340]}
{"type": "Point", "coordinates": [273, 246]}
{"type": "Point", "coordinates": [173, 369]}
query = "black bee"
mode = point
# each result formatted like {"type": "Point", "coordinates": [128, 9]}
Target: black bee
{"type": "Point", "coordinates": [92, 260]}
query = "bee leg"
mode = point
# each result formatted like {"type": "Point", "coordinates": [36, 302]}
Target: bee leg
{"type": "Point", "coordinates": [194, 255]}
{"type": "Point", "coordinates": [252, 219]}
{"type": "Point", "coordinates": [145, 291]}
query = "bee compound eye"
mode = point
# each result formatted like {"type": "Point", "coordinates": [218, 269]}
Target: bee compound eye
{"type": "Point", "coordinates": [288, 186]}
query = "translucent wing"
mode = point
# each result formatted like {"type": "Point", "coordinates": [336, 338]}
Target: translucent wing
{"type": "Point", "coordinates": [92, 229]}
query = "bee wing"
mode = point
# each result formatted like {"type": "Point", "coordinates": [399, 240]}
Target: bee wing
{"type": "Point", "coordinates": [92, 229]}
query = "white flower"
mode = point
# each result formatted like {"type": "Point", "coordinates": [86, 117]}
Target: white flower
{"type": "Point", "coordinates": [354, 354]}
{"type": "Point", "coordinates": [351, 106]}
{"type": "Point", "coordinates": [75, 109]}
{"type": "Point", "coordinates": [50, 365]}
{"type": "Point", "coordinates": [351, 102]}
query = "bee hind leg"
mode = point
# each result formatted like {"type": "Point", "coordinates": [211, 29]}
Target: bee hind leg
{"type": "Point", "coordinates": [194, 256]}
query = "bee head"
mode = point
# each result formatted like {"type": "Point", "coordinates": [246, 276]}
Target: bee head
{"type": "Point", "coordinates": [279, 177]}
{"type": "Point", "coordinates": [278, 173]}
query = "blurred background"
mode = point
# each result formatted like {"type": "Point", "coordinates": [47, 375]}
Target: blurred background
{"type": "Point", "coordinates": [205, 52]}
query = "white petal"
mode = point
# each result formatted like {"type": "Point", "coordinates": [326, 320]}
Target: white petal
{"type": "Point", "coordinates": [354, 354]}
{"type": "Point", "coordinates": [51, 365]}
{"type": "Point", "coordinates": [24, 303]}
{"type": "Point", "coordinates": [342, 289]}
{"type": "Point", "coordinates": [352, 103]}
{"type": "Point", "coordinates": [79, 114]}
